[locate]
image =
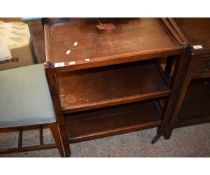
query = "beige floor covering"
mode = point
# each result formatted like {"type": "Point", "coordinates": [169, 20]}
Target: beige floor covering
{"type": "Point", "coordinates": [193, 141]}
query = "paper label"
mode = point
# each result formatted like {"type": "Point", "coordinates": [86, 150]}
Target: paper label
{"type": "Point", "coordinates": [72, 62]}
{"type": "Point", "coordinates": [61, 64]}
{"type": "Point", "coordinates": [197, 47]}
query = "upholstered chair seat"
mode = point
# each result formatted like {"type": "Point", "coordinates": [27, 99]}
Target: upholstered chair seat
{"type": "Point", "coordinates": [24, 97]}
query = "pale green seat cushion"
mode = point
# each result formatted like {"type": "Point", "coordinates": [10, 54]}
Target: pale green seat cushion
{"type": "Point", "coordinates": [24, 97]}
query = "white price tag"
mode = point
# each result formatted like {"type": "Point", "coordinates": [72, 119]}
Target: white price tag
{"type": "Point", "coordinates": [61, 64]}
{"type": "Point", "coordinates": [197, 47]}
{"type": "Point", "coordinates": [72, 62]}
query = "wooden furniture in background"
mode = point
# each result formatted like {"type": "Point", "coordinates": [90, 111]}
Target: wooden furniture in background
{"type": "Point", "coordinates": [111, 82]}
{"type": "Point", "coordinates": [192, 106]}
{"type": "Point", "coordinates": [37, 37]}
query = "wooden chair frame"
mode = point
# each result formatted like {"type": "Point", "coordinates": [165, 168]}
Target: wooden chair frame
{"type": "Point", "coordinates": [53, 87]}
{"type": "Point", "coordinates": [54, 130]}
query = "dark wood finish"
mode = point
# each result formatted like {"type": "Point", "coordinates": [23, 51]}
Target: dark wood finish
{"type": "Point", "coordinates": [37, 36]}
{"type": "Point", "coordinates": [174, 31]}
{"type": "Point", "coordinates": [52, 81]}
{"type": "Point", "coordinates": [14, 129]}
{"type": "Point", "coordinates": [176, 69]}
{"type": "Point", "coordinates": [203, 67]}
{"type": "Point", "coordinates": [41, 135]}
{"type": "Point", "coordinates": [170, 106]}
{"type": "Point", "coordinates": [132, 40]}
{"type": "Point", "coordinates": [20, 148]}
{"type": "Point", "coordinates": [96, 88]}
{"type": "Point", "coordinates": [56, 135]}
{"type": "Point", "coordinates": [189, 68]}
{"type": "Point", "coordinates": [111, 121]}
{"type": "Point", "coordinates": [192, 105]}
{"type": "Point", "coordinates": [195, 30]}
{"type": "Point", "coordinates": [196, 102]}
{"type": "Point", "coordinates": [200, 75]}
{"type": "Point", "coordinates": [105, 72]}
{"type": "Point", "coordinates": [20, 138]}
{"type": "Point", "coordinates": [28, 148]}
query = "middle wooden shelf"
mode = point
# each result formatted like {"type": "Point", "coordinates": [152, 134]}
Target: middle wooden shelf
{"type": "Point", "coordinates": [111, 85]}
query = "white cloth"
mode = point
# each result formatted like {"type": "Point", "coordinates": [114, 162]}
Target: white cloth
{"type": "Point", "coordinates": [12, 35]}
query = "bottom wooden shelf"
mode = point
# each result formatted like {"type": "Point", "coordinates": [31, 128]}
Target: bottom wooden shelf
{"type": "Point", "coordinates": [111, 121]}
{"type": "Point", "coordinates": [196, 107]}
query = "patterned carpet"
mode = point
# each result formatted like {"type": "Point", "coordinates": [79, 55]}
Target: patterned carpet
{"type": "Point", "coordinates": [193, 141]}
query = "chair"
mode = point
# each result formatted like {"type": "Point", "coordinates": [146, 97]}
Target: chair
{"type": "Point", "coordinates": [25, 103]}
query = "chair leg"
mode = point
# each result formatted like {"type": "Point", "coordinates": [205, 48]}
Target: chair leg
{"type": "Point", "coordinates": [65, 142]}
{"type": "Point", "coordinates": [56, 135]}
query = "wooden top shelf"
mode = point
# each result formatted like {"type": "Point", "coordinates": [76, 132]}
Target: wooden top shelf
{"type": "Point", "coordinates": [196, 30]}
{"type": "Point", "coordinates": [112, 85]}
{"type": "Point", "coordinates": [131, 40]}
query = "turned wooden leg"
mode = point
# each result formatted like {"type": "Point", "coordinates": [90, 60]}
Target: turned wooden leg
{"type": "Point", "coordinates": [56, 135]}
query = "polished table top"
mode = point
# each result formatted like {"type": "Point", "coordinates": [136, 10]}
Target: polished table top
{"type": "Point", "coordinates": [78, 42]}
